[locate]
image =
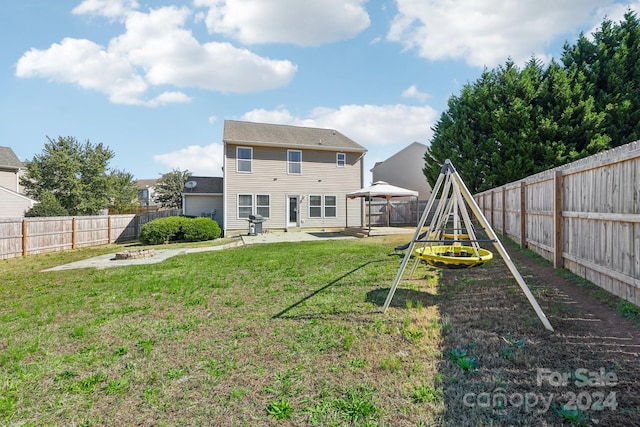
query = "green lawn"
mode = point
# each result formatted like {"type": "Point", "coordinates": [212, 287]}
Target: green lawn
{"type": "Point", "coordinates": [284, 334]}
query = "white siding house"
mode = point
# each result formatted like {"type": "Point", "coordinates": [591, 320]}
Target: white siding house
{"type": "Point", "coordinates": [12, 202]}
{"type": "Point", "coordinates": [294, 177]}
{"type": "Point", "coordinates": [404, 169]}
{"type": "Point", "coordinates": [204, 198]}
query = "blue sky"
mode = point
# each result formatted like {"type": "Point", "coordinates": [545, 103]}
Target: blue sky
{"type": "Point", "coordinates": [154, 81]}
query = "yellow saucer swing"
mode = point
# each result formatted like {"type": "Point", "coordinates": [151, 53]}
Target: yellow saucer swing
{"type": "Point", "coordinates": [450, 246]}
{"type": "Point", "coordinates": [453, 256]}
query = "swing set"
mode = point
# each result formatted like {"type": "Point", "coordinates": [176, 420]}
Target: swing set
{"type": "Point", "coordinates": [448, 243]}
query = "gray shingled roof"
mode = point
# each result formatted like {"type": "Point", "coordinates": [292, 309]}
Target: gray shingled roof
{"type": "Point", "coordinates": [8, 159]}
{"type": "Point", "coordinates": [146, 183]}
{"type": "Point", "coordinates": [236, 132]}
{"type": "Point", "coordinates": [205, 184]}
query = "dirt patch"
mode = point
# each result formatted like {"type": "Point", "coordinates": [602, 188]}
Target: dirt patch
{"type": "Point", "coordinates": [501, 367]}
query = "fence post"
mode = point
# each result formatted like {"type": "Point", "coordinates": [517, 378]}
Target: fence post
{"type": "Point", "coordinates": [73, 232]}
{"type": "Point", "coordinates": [24, 237]}
{"type": "Point", "coordinates": [558, 241]}
{"type": "Point", "coordinates": [523, 214]}
{"type": "Point", "coordinates": [504, 211]}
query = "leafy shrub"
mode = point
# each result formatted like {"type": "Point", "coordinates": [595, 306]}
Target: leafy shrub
{"type": "Point", "coordinates": [48, 206]}
{"type": "Point", "coordinates": [162, 230]}
{"type": "Point", "coordinates": [176, 228]}
{"type": "Point", "coordinates": [199, 229]}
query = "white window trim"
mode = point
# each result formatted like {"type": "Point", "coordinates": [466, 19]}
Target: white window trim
{"type": "Point", "coordinates": [244, 206]}
{"type": "Point", "coordinates": [310, 206]}
{"type": "Point", "coordinates": [238, 159]}
{"type": "Point", "coordinates": [324, 206]}
{"type": "Point", "coordinates": [256, 206]}
{"type": "Point", "coordinates": [344, 160]}
{"type": "Point", "coordinates": [289, 163]}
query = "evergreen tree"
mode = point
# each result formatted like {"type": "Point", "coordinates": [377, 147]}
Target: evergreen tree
{"type": "Point", "coordinates": [75, 174]}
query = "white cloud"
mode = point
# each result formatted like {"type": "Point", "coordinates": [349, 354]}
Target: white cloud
{"type": "Point", "coordinates": [88, 65]}
{"type": "Point", "coordinates": [108, 8]}
{"type": "Point", "coordinates": [368, 125]}
{"type": "Point", "coordinates": [614, 12]}
{"type": "Point", "coordinates": [155, 50]}
{"type": "Point", "coordinates": [486, 33]}
{"type": "Point", "coordinates": [199, 160]}
{"type": "Point", "coordinates": [413, 92]}
{"type": "Point", "coordinates": [298, 22]}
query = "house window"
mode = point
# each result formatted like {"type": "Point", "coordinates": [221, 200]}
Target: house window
{"type": "Point", "coordinates": [263, 205]}
{"type": "Point", "coordinates": [244, 157]}
{"type": "Point", "coordinates": [294, 161]}
{"type": "Point", "coordinates": [315, 206]}
{"type": "Point", "coordinates": [330, 207]}
{"type": "Point", "coordinates": [245, 205]}
{"type": "Point", "coordinates": [341, 159]}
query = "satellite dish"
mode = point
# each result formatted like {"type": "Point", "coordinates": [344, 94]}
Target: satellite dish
{"type": "Point", "coordinates": [190, 184]}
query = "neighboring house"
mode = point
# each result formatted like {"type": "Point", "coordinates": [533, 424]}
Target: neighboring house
{"type": "Point", "coordinates": [12, 203]}
{"type": "Point", "coordinates": [404, 169]}
{"type": "Point", "coordinates": [146, 193]}
{"type": "Point", "coordinates": [294, 177]}
{"type": "Point", "coordinates": [202, 196]}
{"type": "Point", "coordinates": [10, 169]}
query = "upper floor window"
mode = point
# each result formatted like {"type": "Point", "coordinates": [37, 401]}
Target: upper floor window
{"type": "Point", "coordinates": [244, 156]}
{"type": "Point", "coordinates": [294, 161]}
{"type": "Point", "coordinates": [341, 159]}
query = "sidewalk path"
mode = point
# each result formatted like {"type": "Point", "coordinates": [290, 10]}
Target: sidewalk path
{"type": "Point", "coordinates": [108, 260]}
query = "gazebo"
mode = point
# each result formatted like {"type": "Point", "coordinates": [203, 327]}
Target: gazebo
{"type": "Point", "coordinates": [382, 190]}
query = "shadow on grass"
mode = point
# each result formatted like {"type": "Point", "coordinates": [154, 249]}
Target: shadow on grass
{"type": "Point", "coordinates": [402, 297]}
{"type": "Point", "coordinates": [328, 285]}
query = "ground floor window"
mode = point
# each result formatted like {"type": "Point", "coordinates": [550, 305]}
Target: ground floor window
{"type": "Point", "coordinates": [330, 207]}
{"type": "Point", "coordinates": [323, 206]}
{"type": "Point", "coordinates": [263, 205]}
{"type": "Point", "coordinates": [245, 205]}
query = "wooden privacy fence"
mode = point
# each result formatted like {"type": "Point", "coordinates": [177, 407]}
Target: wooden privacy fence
{"type": "Point", "coordinates": [26, 236]}
{"type": "Point", "coordinates": [583, 216]}
{"type": "Point", "coordinates": [401, 212]}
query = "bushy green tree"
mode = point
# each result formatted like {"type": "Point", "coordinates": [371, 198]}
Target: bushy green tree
{"type": "Point", "coordinates": [48, 206]}
{"type": "Point", "coordinates": [76, 174]}
{"type": "Point", "coordinates": [168, 191]}
{"type": "Point", "coordinates": [124, 191]}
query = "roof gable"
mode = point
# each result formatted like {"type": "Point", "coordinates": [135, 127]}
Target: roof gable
{"type": "Point", "coordinates": [9, 160]}
{"type": "Point", "coordinates": [249, 133]}
{"type": "Point", "coordinates": [414, 147]}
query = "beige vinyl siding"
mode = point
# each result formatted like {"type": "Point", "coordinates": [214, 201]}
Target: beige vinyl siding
{"type": "Point", "coordinates": [13, 205]}
{"type": "Point", "coordinates": [9, 180]}
{"type": "Point", "coordinates": [203, 205]}
{"type": "Point", "coordinates": [320, 176]}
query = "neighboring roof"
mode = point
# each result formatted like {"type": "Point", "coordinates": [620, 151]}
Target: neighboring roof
{"type": "Point", "coordinates": [8, 159]}
{"type": "Point", "coordinates": [249, 133]}
{"type": "Point", "coordinates": [204, 185]}
{"type": "Point", "coordinates": [146, 183]}
{"type": "Point", "coordinates": [413, 146]}
{"type": "Point", "coordinates": [383, 190]}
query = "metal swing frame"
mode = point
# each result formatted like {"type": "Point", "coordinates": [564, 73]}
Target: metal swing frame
{"type": "Point", "coordinates": [454, 195]}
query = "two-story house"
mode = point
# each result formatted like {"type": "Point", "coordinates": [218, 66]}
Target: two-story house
{"type": "Point", "coordinates": [296, 178]}
{"type": "Point", "coordinates": [404, 169]}
{"type": "Point", "coordinates": [12, 202]}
